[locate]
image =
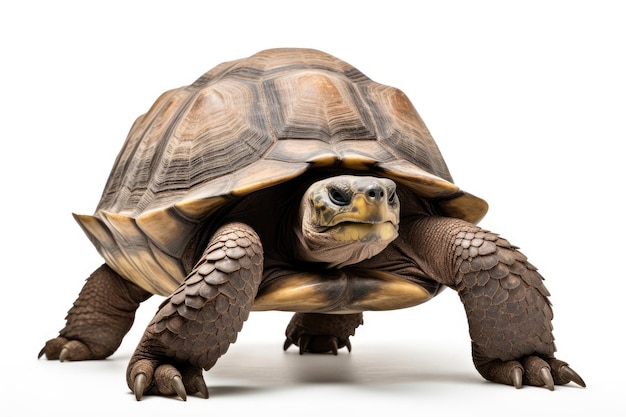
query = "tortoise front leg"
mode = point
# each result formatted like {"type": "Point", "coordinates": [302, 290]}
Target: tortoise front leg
{"type": "Point", "coordinates": [199, 321]}
{"type": "Point", "coordinates": [99, 319]}
{"type": "Point", "coordinates": [507, 305]}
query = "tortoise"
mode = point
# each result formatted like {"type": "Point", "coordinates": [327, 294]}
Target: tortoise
{"type": "Point", "coordinates": [290, 181]}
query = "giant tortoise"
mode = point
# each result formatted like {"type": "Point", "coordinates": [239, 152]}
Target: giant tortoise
{"type": "Point", "coordinates": [291, 181]}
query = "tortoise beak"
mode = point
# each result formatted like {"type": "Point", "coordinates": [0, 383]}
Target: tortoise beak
{"type": "Point", "coordinates": [368, 210]}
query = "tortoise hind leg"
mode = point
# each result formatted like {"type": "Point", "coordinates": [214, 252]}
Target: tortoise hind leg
{"type": "Point", "coordinates": [99, 319]}
{"type": "Point", "coordinates": [199, 321]}
{"type": "Point", "coordinates": [321, 333]}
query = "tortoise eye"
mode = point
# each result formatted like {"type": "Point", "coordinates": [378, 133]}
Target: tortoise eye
{"type": "Point", "coordinates": [339, 197]}
{"type": "Point", "coordinates": [391, 196]}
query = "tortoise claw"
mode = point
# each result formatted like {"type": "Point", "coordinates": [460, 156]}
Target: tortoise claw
{"type": "Point", "coordinates": [303, 343]}
{"type": "Point", "coordinates": [546, 377]}
{"type": "Point", "coordinates": [570, 374]}
{"type": "Point", "coordinates": [516, 377]}
{"type": "Point", "coordinates": [333, 346]}
{"type": "Point", "coordinates": [64, 355]}
{"type": "Point", "coordinates": [287, 344]}
{"type": "Point", "coordinates": [179, 387]}
{"type": "Point", "coordinates": [168, 385]}
{"type": "Point", "coordinates": [532, 370]}
{"type": "Point", "coordinates": [306, 341]}
{"type": "Point", "coordinates": [139, 386]}
{"type": "Point", "coordinates": [201, 387]}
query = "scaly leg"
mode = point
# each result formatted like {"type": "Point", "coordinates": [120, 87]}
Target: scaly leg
{"type": "Point", "coordinates": [99, 319]}
{"type": "Point", "coordinates": [507, 305]}
{"type": "Point", "coordinates": [199, 321]}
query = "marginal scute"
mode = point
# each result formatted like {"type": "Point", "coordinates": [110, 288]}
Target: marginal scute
{"type": "Point", "coordinates": [312, 151]}
{"type": "Point", "coordinates": [265, 174]}
{"type": "Point", "coordinates": [137, 256]}
{"type": "Point", "coordinates": [369, 152]}
{"type": "Point", "coordinates": [465, 206]}
{"type": "Point", "coordinates": [422, 182]}
{"type": "Point", "coordinates": [97, 232]}
{"type": "Point", "coordinates": [166, 230]}
{"type": "Point", "coordinates": [170, 264]}
{"type": "Point", "coordinates": [200, 208]}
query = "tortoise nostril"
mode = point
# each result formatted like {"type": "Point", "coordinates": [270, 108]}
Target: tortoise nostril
{"type": "Point", "coordinates": [375, 193]}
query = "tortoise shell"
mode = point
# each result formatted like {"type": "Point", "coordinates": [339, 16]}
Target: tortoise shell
{"type": "Point", "coordinates": [250, 124]}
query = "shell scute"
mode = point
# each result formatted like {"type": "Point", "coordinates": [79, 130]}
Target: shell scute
{"type": "Point", "coordinates": [316, 105]}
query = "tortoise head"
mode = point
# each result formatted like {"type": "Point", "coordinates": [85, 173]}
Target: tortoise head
{"type": "Point", "coordinates": [347, 219]}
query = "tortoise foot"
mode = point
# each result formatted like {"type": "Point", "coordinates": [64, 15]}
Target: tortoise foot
{"type": "Point", "coordinates": [531, 370]}
{"type": "Point", "coordinates": [153, 377]}
{"type": "Point", "coordinates": [100, 317]}
{"type": "Point", "coordinates": [318, 343]}
{"type": "Point", "coordinates": [321, 333]}
{"type": "Point", "coordinates": [63, 349]}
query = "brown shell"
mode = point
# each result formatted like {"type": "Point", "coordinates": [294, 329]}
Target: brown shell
{"type": "Point", "coordinates": [246, 125]}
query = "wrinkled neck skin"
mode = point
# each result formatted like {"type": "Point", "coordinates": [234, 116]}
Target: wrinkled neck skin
{"type": "Point", "coordinates": [314, 245]}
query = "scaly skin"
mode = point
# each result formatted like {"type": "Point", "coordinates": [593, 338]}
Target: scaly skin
{"type": "Point", "coordinates": [199, 321]}
{"type": "Point", "coordinates": [507, 305]}
{"type": "Point", "coordinates": [99, 319]}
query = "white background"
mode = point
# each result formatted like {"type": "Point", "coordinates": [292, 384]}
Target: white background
{"type": "Point", "coordinates": [525, 99]}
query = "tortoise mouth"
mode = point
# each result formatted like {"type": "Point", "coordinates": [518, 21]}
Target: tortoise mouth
{"type": "Point", "coordinates": [363, 231]}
